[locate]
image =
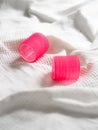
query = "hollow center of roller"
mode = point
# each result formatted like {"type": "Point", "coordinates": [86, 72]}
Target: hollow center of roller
{"type": "Point", "coordinates": [27, 53]}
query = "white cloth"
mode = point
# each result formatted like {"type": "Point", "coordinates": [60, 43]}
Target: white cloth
{"type": "Point", "coordinates": [29, 98]}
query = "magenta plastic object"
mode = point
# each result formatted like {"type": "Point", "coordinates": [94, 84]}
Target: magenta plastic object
{"type": "Point", "coordinates": [66, 68]}
{"type": "Point", "coordinates": [34, 47]}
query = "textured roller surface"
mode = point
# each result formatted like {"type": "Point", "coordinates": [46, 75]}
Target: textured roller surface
{"type": "Point", "coordinates": [66, 68]}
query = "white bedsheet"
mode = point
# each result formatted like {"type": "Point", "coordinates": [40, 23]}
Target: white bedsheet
{"type": "Point", "coordinates": [29, 98]}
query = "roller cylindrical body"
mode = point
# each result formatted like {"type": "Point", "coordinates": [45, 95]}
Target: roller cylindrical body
{"type": "Point", "coordinates": [65, 68]}
{"type": "Point", "coordinates": [34, 47]}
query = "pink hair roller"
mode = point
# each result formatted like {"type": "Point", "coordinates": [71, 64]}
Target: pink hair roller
{"type": "Point", "coordinates": [34, 47]}
{"type": "Point", "coordinates": [66, 68]}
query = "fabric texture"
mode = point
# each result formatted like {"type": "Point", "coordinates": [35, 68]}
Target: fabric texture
{"type": "Point", "coordinates": [29, 98]}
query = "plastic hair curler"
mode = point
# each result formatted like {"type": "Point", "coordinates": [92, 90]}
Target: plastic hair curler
{"type": "Point", "coordinates": [66, 68]}
{"type": "Point", "coordinates": [34, 47]}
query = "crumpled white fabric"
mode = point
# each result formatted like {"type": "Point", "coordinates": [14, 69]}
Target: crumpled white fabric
{"type": "Point", "coordinates": [29, 98]}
